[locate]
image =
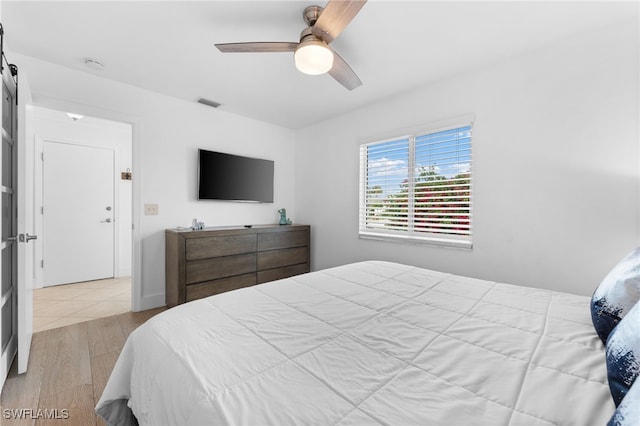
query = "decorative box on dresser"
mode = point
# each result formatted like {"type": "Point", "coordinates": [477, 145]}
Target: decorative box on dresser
{"type": "Point", "coordinates": [214, 260]}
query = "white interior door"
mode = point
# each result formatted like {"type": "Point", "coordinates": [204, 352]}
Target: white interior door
{"type": "Point", "coordinates": [25, 174]}
{"type": "Point", "coordinates": [78, 213]}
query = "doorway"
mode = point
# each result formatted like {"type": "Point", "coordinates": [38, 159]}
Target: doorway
{"type": "Point", "coordinates": [85, 216]}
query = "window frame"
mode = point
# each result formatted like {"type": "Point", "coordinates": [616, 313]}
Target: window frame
{"type": "Point", "coordinates": [410, 235]}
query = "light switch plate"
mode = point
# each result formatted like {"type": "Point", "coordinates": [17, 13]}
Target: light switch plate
{"type": "Point", "coordinates": [150, 209]}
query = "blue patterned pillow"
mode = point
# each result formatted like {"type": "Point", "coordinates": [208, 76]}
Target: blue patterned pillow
{"type": "Point", "coordinates": [628, 412]}
{"type": "Point", "coordinates": [623, 354]}
{"type": "Point", "coordinates": [616, 294]}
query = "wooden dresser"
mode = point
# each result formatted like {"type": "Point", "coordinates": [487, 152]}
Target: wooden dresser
{"type": "Point", "coordinates": [214, 260]}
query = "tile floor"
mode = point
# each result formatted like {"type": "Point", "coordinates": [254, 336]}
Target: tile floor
{"type": "Point", "coordinates": [61, 305]}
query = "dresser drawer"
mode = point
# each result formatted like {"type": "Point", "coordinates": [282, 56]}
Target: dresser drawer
{"type": "Point", "coordinates": [220, 267]}
{"type": "Point", "coordinates": [279, 240]}
{"type": "Point", "coordinates": [203, 248]}
{"type": "Point", "coordinates": [284, 257]}
{"type": "Point", "coordinates": [209, 288]}
{"type": "Point", "coordinates": [279, 273]}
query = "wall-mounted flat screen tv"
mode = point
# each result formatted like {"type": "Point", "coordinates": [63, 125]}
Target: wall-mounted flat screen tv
{"type": "Point", "coordinates": [234, 178]}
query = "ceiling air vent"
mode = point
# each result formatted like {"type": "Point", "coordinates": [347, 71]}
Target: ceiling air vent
{"type": "Point", "coordinates": [207, 102]}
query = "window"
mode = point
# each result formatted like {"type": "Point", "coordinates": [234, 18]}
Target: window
{"type": "Point", "coordinates": [418, 187]}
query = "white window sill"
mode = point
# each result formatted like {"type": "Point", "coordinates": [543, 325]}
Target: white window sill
{"type": "Point", "coordinates": [412, 239]}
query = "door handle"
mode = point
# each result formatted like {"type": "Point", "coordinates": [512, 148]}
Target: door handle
{"type": "Point", "coordinates": [108, 220]}
{"type": "Point", "coordinates": [23, 238]}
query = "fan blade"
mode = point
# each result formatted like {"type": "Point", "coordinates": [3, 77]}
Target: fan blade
{"type": "Point", "coordinates": [343, 73]}
{"type": "Point", "coordinates": [335, 17]}
{"type": "Point", "coordinates": [266, 46]}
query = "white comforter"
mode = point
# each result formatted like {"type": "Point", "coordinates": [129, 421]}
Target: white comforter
{"type": "Point", "coordinates": [367, 343]}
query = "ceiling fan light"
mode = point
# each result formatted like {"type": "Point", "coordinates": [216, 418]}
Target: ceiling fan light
{"type": "Point", "coordinates": [313, 57]}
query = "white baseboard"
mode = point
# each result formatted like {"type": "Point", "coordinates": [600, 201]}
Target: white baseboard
{"type": "Point", "coordinates": [150, 302]}
{"type": "Point", "coordinates": [126, 272]}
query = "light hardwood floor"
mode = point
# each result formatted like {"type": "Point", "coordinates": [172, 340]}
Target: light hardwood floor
{"type": "Point", "coordinates": [61, 305]}
{"type": "Point", "coordinates": [68, 369]}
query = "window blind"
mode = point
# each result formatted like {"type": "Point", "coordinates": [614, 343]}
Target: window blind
{"type": "Point", "coordinates": [418, 187]}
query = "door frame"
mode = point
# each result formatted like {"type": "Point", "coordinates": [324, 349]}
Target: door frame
{"type": "Point", "coordinates": [115, 266]}
{"type": "Point", "coordinates": [136, 239]}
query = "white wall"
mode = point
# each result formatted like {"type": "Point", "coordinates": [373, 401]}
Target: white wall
{"type": "Point", "coordinates": [556, 166]}
{"type": "Point", "coordinates": [56, 126]}
{"type": "Point", "coordinates": [167, 133]}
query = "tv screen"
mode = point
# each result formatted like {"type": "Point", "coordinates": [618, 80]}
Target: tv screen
{"type": "Point", "coordinates": [232, 177]}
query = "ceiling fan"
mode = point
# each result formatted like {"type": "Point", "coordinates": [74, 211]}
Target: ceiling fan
{"type": "Point", "coordinates": [312, 54]}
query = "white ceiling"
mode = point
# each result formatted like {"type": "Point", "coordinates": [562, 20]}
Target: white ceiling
{"type": "Point", "coordinates": [394, 46]}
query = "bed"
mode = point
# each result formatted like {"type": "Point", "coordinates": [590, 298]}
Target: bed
{"type": "Point", "coordinates": [373, 342]}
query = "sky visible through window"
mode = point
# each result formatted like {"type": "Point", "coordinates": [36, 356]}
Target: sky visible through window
{"type": "Point", "coordinates": [446, 153]}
